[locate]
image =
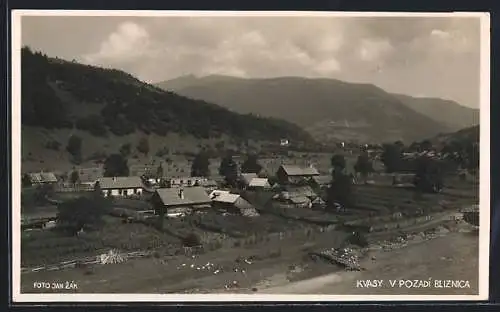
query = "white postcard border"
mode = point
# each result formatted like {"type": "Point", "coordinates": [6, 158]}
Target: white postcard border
{"type": "Point", "coordinates": [484, 231]}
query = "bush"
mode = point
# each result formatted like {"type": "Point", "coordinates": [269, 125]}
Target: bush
{"type": "Point", "coordinates": [191, 240]}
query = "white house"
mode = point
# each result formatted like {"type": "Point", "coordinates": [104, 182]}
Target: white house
{"type": "Point", "coordinates": [120, 186]}
{"type": "Point", "coordinates": [186, 181]}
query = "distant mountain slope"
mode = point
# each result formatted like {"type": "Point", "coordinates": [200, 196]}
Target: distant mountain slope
{"type": "Point", "coordinates": [450, 113]}
{"type": "Point", "coordinates": [329, 109]}
{"type": "Point", "coordinates": [470, 134]}
{"type": "Point", "coordinates": [57, 94]}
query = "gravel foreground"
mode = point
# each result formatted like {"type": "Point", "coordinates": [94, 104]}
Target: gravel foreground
{"type": "Point", "coordinates": [447, 265]}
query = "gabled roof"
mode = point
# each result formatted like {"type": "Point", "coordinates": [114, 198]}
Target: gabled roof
{"type": "Point", "coordinates": [120, 182]}
{"type": "Point", "coordinates": [259, 182]}
{"type": "Point", "coordinates": [291, 170]}
{"type": "Point", "coordinates": [191, 196]}
{"type": "Point", "coordinates": [42, 177]}
{"type": "Point", "coordinates": [224, 197]}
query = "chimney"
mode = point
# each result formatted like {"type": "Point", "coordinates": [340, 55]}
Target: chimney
{"type": "Point", "coordinates": [181, 193]}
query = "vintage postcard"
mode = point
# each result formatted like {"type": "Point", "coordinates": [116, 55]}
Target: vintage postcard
{"type": "Point", "coordinates": [250, 156]}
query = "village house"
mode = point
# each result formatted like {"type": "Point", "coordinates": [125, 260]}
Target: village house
{"type": "Point", "coordinates": [120, 186]}
{"type": "Point", "coordinates": [297, 196]}
{"type": "Point", "coordinates": [38, 178]}
{"type": "Point", "coordinates": [186, 181]}
{"type": "Point", "coordinates": [232, 203]}
{"type": "Point", "coordinates": [292, 200]}
{"type": "Point", "coordinates": [253, 181]}
{"type": "Point", "coordinates": [290, 174]}
{"type": "Point", "coordinates": [178, 201]}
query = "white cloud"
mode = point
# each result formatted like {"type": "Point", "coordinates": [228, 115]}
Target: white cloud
{"type": "Point", "coordinates": [127, 43]}
{"type": "Point", "coordinates": [373, 50]}
{"type": "Point", "coordinates": [440, 34]}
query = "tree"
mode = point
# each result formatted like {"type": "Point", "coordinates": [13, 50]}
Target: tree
{"type": "Point", "coordinates": [428, 177]}
{"type": "Point", "coordinates": [426, 145]}
{"type": "Point", "coordinates": [75, 176]}
{"type": "Point", "coordinates": [143, 146]}
{"type": "Point", "coordinates": [392, 157]}
{"type": "Point", "coordinates": [159, 171]}
{"type": "Point", "coordinates": [83, 212]}
{"type": "Point", "coordinates": [125, 149]}
{"type": "Point", "coordinates": [340, 191]}
{"type": "Point", "coordinates": [201, 165]}
{"type": "Point", "coordinates": [229, 170]}
{"type": "Point", "coordinates": [363, 165]}
{"type": "Point", "coordinates": [251, 164]}
{"type": "Point", "coordinates": [116, 166]}
{"type": "Point", "coordinates": [74, 147]}
{"type": "Point", "coordinates": [338, 163]}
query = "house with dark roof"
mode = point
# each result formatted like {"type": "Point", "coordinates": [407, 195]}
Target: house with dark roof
{"type": "Point", "coordinates": [289, 174]}
{"type": "Point", "coordinates": [177, 200]}
{"type": "Point", "coordinates": [120, 186]}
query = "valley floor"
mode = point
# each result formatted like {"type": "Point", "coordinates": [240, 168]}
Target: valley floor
{"type": "Point", "coordinates": [283, 268]}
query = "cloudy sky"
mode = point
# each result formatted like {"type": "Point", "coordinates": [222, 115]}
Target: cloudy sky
{"type": "Point", "coordinates": [420, 56]}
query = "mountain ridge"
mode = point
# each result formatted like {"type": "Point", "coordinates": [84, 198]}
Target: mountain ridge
{"type": "Point", "coordinates": [62, 94]}
{"type": "Point", "coordinates": [330, 102]}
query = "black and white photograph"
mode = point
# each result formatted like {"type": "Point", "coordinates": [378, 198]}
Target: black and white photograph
{"type": "Point", "coordinates": [250, 156]}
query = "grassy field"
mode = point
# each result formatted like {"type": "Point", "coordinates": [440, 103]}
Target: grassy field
{"type": "Point", "coordinates": [180, 150]}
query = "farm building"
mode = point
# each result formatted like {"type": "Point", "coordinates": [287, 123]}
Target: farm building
{"type": "Point", "coordinates": [292, 200]}
{"type": "Point", "coordinates": [259, 183]}
{"type": "Point", "coordinates": [288, 174]}
{"type": "Point", "coordinates": [232, 203]}
{"type": "Point", "coordinates": [37, 178]}
{"type": "Point", "coordinates": [321, 181]}
{"type": "Point", "coordinates": [120, 186]}
{"type": "Point", "coordinates": [180, 200]}
{"type": "Point", "coordinates": [252, 181]}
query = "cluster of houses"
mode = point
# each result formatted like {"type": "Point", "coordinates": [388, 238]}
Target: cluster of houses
{"type": "Point", "coordinates": [293, 187]}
